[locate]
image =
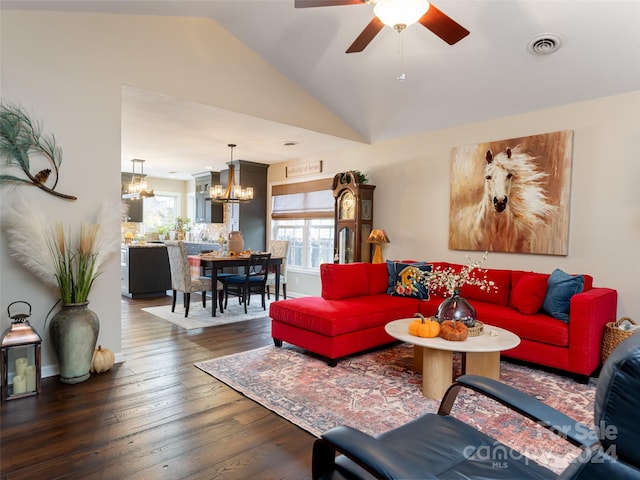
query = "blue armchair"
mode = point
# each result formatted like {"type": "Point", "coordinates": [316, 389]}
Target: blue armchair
{"type": "Point", "coordinates": [440, 446]}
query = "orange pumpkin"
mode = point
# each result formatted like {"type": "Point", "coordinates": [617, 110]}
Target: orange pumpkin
{"type": "Point", "coordinates": [454, 331]}
{"type": "Point", "coordinates": [429, 329]}
{"type": "Point", "coordinates": [424, 327]}
{"type": "Point", "coordinates": [413, 327]}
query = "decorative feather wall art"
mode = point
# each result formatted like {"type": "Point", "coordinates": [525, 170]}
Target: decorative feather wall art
{"type": "Point", "coordinates": [20, 138]}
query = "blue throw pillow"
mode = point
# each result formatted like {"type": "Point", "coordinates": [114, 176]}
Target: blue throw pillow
{"type": "Point", "coordinates": [408, 279]}
{"type": "Point", "coordinates": [560, 288]}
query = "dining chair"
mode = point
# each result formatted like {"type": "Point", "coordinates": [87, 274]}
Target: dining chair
{"type": "Point", "coordinates": [183, 281]}
{"type": "Point", "coordinates": [279, 248]}
{"type": "Point", "coordinates": [253, 281]}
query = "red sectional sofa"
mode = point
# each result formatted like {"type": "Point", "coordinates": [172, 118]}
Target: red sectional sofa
{"type": "Point", "coordinates": [354, 307]}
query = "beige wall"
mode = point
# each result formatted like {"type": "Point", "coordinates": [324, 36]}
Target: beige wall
{"type": "Point", "coordinates": [412, 192]}
{"type": "Point", "coordinates": [68, 69]}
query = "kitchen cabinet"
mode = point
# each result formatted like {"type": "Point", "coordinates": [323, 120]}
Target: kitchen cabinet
{"type": "Point", "coordinates": [133, 206]}
{"type": "Point", "coordinates": [250, 218]}
{"type": "Point", "coordinates": [144, 271]}
{"type": "Point", "coordinates": [206, 210]}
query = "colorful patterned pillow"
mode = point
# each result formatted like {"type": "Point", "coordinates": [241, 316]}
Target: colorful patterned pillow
{"type": "Point", "coordinates": [408, 279]}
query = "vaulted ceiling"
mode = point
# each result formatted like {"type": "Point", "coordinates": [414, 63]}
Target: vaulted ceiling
{"type": "Point", "coordinates": [489, 74]}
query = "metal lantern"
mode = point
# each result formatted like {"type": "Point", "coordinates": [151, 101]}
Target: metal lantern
{"type": "Point", "coordinates": [20, 362]}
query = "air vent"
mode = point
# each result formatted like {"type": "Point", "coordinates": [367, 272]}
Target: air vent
{"type": "Point", "coordinates": [545, 44]}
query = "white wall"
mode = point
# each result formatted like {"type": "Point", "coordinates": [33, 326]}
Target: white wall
{"type": "Point", "coordinates": [412, 192]}
{"type": "Point", "coordinates": [68, 70]}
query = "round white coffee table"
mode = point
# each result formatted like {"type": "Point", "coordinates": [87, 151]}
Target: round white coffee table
{"type": "Point", "coordinates": [433, 357]}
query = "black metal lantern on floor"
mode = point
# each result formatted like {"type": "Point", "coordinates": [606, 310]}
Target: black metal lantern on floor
{"type": "Point", "coordinates": [20, 361]}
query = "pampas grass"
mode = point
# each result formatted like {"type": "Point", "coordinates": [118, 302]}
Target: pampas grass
{"type": "Point", "coordinates": [108, 237]}
{"type": "Point", "coordinates": [65, 261]}
{"type": "Point", "coordinates": [27, 232]}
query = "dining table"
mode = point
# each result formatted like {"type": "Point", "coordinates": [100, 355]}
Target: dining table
{"type": "Point", "coordinates": [218, 262]}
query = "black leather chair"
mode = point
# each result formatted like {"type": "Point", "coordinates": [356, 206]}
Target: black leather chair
{"type": "Point", "coordinates": [253, 281]}
{"type": "Point", "coordinates": [440, 446]}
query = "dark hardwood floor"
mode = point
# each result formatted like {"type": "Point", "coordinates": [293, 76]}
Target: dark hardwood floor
{"type": "Point", "coordinates": [154, 416]}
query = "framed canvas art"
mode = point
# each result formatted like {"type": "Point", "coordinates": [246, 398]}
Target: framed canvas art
{"type": "Point", "coordinates": [512, 195]}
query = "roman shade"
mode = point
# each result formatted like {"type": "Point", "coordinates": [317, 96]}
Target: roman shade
{"type": "Point", "coordinates": [303, 200]}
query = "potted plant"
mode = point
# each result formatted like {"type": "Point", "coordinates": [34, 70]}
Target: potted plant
{"type": "Point", "coordinates": [162, 230]}
{"type": "Point", "coordinates": [359, 176]}
{"type": "Point", "coordinates": [183, 225]}
{"type": "Point", "coordinates": [69, 260]}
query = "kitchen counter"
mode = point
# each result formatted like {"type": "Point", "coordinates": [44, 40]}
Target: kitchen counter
{"type": "Point", "coordinates": [144, 270]}
{"type": "Point", "coordinates": [146, 245]}
{"type": "Point", "coordinates": [199, 245]}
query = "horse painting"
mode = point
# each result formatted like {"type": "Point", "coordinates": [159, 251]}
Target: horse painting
{"type": "Point", "coordinates": [505, 201]}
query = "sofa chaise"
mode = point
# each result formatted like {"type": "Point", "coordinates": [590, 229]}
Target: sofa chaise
{"type": "Point", "coordinates": [354, 307]}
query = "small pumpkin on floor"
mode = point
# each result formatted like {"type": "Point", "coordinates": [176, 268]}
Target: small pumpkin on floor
{"type": "Point", "coordinates": [103, 359]}
{"type": "Point", "coordinates": [424, 327]}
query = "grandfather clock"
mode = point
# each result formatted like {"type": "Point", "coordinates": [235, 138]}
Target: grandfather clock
{"type": "Point", "coordinates": [353, 218]}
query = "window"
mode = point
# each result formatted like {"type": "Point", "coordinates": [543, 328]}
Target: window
{"type": "Point", "coordinates": [310, 241]}
{"type": "Point", "coordinates": [161, 209]}
{"type": "Point", "coordinates": [303, 214]}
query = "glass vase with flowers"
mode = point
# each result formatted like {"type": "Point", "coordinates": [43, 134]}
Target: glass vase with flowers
{"type": "Point", "coordinates": [450, 281]}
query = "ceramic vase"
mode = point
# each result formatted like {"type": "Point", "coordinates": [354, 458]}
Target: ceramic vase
{"type": "Point", "coordinates": [74, 333]}
{"type": "Point", "coordinates": [457, 308]}
{"type": "Point", "coordinates": [236, 242]}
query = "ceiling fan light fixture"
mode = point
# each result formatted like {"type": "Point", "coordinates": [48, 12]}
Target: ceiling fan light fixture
{"type": "Point", "coordinates": [399, 14]}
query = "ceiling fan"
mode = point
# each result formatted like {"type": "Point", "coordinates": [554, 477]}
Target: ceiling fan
{"type": "Point", "coordinates": [398, 14]}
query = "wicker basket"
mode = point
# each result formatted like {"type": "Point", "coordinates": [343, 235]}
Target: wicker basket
{"type": "Point", "coordinates": [614, 336]}
{"type": "Point", "coordinates": [477, 329]}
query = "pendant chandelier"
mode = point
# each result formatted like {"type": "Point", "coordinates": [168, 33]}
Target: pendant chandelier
{"type": "Point", "coordinates": [138, 186]}
{"type": "Point", "coordinates": [234, 193]}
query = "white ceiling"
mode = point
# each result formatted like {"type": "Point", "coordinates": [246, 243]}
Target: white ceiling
{"type": "Point", "coordinates": [489, 74]}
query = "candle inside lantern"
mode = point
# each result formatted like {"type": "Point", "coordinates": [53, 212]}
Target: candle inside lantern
{"type": "Point", "coordinates": [19, 384]}
{"type": "Point", "coordinates": [21, 365]}
{"type": "Point", "coordinates": [31, 378]}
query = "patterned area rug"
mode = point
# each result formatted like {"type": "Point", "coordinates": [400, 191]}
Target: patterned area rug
{"type": "Point", "coordinates": [201, 318]}
{"type": "Point", "coordinates": [379, 391]}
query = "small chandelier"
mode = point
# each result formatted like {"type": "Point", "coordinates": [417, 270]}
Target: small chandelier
{"type": "Point", "coordinates": [399, 14]}
{"type": "Point", "coordinates": [138, 186]}
{"type": "Point", "coordinates": [233, 193]}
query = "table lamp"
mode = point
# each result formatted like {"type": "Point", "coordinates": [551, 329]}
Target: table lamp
{"type": "Point", "coordinates": [378, 237]}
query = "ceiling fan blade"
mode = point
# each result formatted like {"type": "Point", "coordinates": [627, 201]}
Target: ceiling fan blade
{"type": "Point", "coordinates": [325, 3]}
{"type": "Point", "coordinates": [366, 36]}
{"type": "Point", "coordinates": [443, 26]}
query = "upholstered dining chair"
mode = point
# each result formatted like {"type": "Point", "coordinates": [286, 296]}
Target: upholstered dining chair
{"type": "Point", "coordinates": [278, 248]}
{"type": "Point", "coordinates": [441, 446]}
{"type": "Point", "coordinates": [252, 281]}
{"type": "Point", "coordinates": [182, 280]}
